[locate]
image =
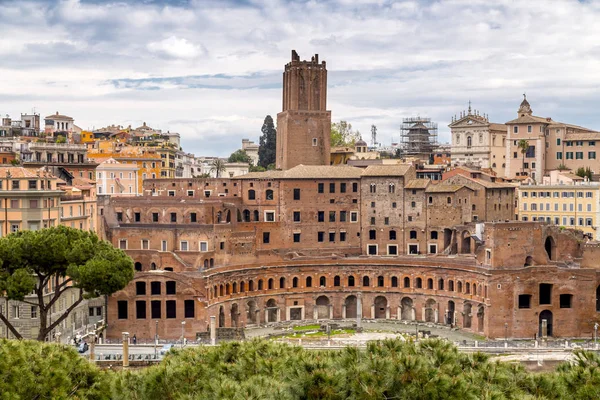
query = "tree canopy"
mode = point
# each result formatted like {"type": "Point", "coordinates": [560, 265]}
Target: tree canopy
{"type": "Point", "coordinates": [239, 156]}
{"type": "Point", "coordinates": [342, 134]}
{"type": "Point", "coordinates": [585, 172]}
{"type": "Point", "coordinates": [64, 259]}
{"type": "Point", "coordinates": [217, 166]}
{"type": "Point", "coordinates": [267, 144]}
{"type": "Point", "coordinates": [388, 369]}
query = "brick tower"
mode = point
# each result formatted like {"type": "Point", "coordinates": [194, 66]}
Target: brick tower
{"type": "Point", "coordinates": [304, 125]}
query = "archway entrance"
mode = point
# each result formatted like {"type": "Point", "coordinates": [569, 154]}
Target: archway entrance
{"type": "Point", "coordinates": [467, 310]}
{"type": "Point", "coordinates": [546, 315]}
{"type": "Point", "coordinates": [322, 304]}
{"type": "Point", "coordinates": [480, 318]}
{"type": "Point", "coordinates": [221, 317]}
{"type": "Point", "coordinates": [351, 306]}
{"type": "Point", "coordinates": [251, 312]}
{"type": "Point", "coordinates": [235, 314]}
{"type": "Point", "coordinates": [430, 310]}
{"type": "Point", "coordinates": [450, 315]}
{"type": "Point", "coordinates": [466, 243]}
{"type": "Point", "coordinates": [271, 310]}
{"type": "Point", "coordinates": [550, 247]}
{"type": "Point", "coordinates": [380, 307]}
{"type": "Point", "coordinates": [407, 309]}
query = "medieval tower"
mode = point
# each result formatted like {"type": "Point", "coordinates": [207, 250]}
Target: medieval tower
{"type": "Point", "coordinates": [304, 125]}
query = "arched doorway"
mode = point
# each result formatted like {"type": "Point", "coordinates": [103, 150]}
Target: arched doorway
{"type": "Point", "coordinates": [466, 242]}
{"type": "Point", "coordinates": [221, 317]}
{"type": "Point", "coordinates": [138, 266]}
{"type": "Point", "coordinates": [272, 310]}
{"type": "Point", "coordinates": [467, 309]}
{"type": "Point", "coordinates": [351, 306]}
{"type": "Point", "coordinates": [322, 307]}
{"type": "Point", "coordinates": [235, 314]}
{"type": "Point", "coordinates": [430, 310]}
{"type": "Point", "coordinates": [546, 315]}
{"type": "Point", "coordinates": [480, 318]}
{"type": "Point", "coordinates": [550, 247]}
{"type": "Point", "coordinates": [528, 261]}
{"type": "Point", "coordinates": [407, 309]}
{"type": "Point", "coordinates": [380, 307]}
{"type": "Point", "coordinates": [450, 315]}
{"type": "Point", "coordinates": [251, 312]}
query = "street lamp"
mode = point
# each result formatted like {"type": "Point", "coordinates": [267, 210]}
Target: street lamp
{"type": "Point", "coordinates": [156, 341]}
{"type": "Point", "coordinates": [182, 332]}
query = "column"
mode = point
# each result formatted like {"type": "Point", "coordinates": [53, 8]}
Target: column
{"type": "Point", "coordinates": [278, 314]}
{"type": "Point", "coordinates": [387, 312]}
{"type": "Point", "coordinates": [413, 314]}
{"type": "Point", "coordinates": [213, 330]}
{"type": "Point", "coordinates": [315, 313]}
{"type": "Point", "coordinates": [302, 313]}
{"type": "Point", "coordinates": [359, 310]}
{"type": "Point", "coordinates": [436, 314]}
{"type": "Point", "coordinates": [331, 311]}
{"type": "Point", "coordinates": [423, 314]}
{"type": "Point", "coordinates": [344, 311]}
{"type": "Point", "coordinates": [399, 316]}
{"type": "Point", "coordinates": [372, 311]}
{"type": "Point", "coordinates": [267, 316]}
{"type": "Point", "coordinates": [125, 349]}
{"type": "Point", "coordinates": [544, 329]}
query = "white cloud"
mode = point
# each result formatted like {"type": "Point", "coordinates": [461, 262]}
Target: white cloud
{"type": "Point", "coordinates": [212, 69]}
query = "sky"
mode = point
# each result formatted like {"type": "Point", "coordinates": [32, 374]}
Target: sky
{"type": "Point", "coordinates": [212, 69]}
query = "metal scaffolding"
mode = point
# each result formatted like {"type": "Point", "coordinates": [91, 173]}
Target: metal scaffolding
{"type": "Point", "coordinates": [418, 136]}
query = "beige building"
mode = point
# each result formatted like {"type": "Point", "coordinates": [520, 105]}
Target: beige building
{"type": "Point", "coordinates": [117, 179]}
{"type": "Point", "coordinates": [477, 142]}
{"type": "Point", "coordinates": [552, 145]}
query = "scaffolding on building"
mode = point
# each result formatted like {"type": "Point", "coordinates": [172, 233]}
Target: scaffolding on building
{"type": "Point", "coordinates": [418, 136]}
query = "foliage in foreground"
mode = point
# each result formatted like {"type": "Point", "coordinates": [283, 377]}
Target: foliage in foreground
{"type": "Point", "coordinates": [389, 369]}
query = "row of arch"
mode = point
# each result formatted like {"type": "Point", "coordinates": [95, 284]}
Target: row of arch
{"type": "Point", "coordinates": [351, 308]}
{"type": "Point", "coordinates": [450, 285]}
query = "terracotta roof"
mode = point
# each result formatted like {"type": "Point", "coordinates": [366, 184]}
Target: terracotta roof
{"type": "Point", "coordinates": [488, 184]}
{"type": "Point", "coordinates": [417, 184]}
{"type": "Point", "coordinates": [572, 176]}
{"type": "Point", "coordinates": [59, 116]}
{"type": "Point", "coordinates": [18, 172]}
{"type": "Point", "coordinates": [583, 136]}
{"type": "Point", "coordinates": [443, 188]}
{"type": "Point", "coordinates": [498, 127]}
{"type": "Point", "coordinates": [530, 119]}
{"type": "Point", "coordinates": [386, 170]}
{"type": "Point", "coordinates": [308, 172]}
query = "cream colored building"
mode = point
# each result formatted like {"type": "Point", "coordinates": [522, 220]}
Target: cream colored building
{"type": "Point", "coordinates": [563, 200]}
{"type": "Point", "coordinates": [117, 179]}
{"type": "Point", "coordinates": [477, 142]}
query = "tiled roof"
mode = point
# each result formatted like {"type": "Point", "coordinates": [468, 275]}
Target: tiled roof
{"type": "Point", "coordinates": [59, 116]}
{"type": "Point", "coordinates": [417, 184]}
{"type": "Point", "coordinates": [386, 170]}
{"type": "Point", "coordinates": [308, 172]}
{"type": "Point", "coordinates": [583, 136]}
{"type": "Point", "coordinates": [18, 172]}
{"type": "Point", "coordinates": [530, 119]}
{"type": "Point", "coordinates": [498, 127]}
{"type": "Point", "coordinates": [443, 188]}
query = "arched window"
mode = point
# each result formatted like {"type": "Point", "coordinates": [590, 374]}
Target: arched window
{"type": "Point", "coordinates": [221, 290]}
{"type": "Point", "coordinates": [366, 281]}
{"type": "Point", "coordinates": [295, 282]}
{"type": "Point", "coordinates": [475, 289]}
{"type": "Point", "coordinates": [308, 281]}
{"type": "Point", "coordinates": [282, 283]}
{"type": "Point", "coordinates": [469, 141]}
{"type": "Point", "coordinates": [373, 188]}
{"type": "Point", "coordinates": [234, 287]}
{"type": "Point", "coordinates": [250, 286]}
{"type": "Point", "coordinates": [242, 287]}
{"type": "Point", "coordinates": [459, 287]}
{"type": "Point", "coordinates": [392, 188]}
{"type": "Point", "coordinates": [212, 262]}
{"type": "Point", "coordinates": [407, 282]}
{"type": "Point", "coordinates": [138, 266]}
{"type": "Point", "coordinates": [260, 284]}
{"type": "Point", "coordinates": [380, 281]}
{"type": "Point", "coordinates": [227, 288]}
{"type": "Point", "coordinates": [451, 285]}
{"type": "Point", "coordinates": [205, 263]}
{"type": "Point", "coordinates": [336, 281]}
{"type": "Point", "coordinates": [269, 194]}
{"type": "Point", "coordinates": [322, 281]}
{"type": "Point", "coordinates": [440, 284]}
{"type": "Point", "coordinates": [494, 165]}
{"type": "Point", "coordinates": [215, 293]}
{"type": "Point", "coordinates": [419, 283]}
{"type": "Point", "coordinates": [246, 215]}
{"type": "Point", "coordinates": [270, 284]}
{"type": "Point", "coordinates": [392, 235]}
{"type": "Point", "coordinates": [467, 288]}
{"type": "Point", "coordinates": [251, 194]}
{"type": "Point", "coordinates": [430, 284]}
{"type": "Point", "coordinates": [394, 281]}
{"type": "Point", "coordinates": [350, 280]}
{"type": "Point", "coordinates": [255, 215]}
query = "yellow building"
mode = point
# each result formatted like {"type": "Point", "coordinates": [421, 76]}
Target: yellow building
{"type": "Point", "coordinates": [570, 203]}
{"type": "Point", "coordinates": [78, 207]}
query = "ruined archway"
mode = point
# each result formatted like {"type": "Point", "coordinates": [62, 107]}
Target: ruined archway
{"type": "Point", "coordinates": [430, 306]}
{"type": "Point", "coordinates": [235, 314]}
{"type": "Point", "coordinates": [351, 306]}
{"type": "Point", "coordinates": [467, 310]}
{"type": "Point", "coordinates": [466, 243]}
{"type": "Point", "coordinates": [221, 317]}
{"type": "Point", "coordinates": [251, 312]}
{"type": "Point", "coordinates": [407, 309]}
{"type": "Point", "coordinates": [480, 318]}
{"type": "Point", "coordinates": [322, 304]}
{"type": "Point", "coordinates": [272, 310]}
{"type": "Point", "coordinates": [546, 315]}
{"type": "Point", "coordinates": [450, 314]}
{"type": "Point", "coordinates": [550, 247]}
{"type": "Point", "coordinates": [380, 304]}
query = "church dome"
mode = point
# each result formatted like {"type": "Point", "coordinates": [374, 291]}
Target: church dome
{"type": "Point", "coordinates": [360, 143]}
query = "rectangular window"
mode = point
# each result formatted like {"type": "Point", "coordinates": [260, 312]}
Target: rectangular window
{"type": "Point", "coordinates": [321, 187]}
{"type": "Point", "coordinates": [122, 309]}
{"type": "Point", "coordinates": [342, 216]}
{"type": "Point", "coordinates": [592, 155]}
{"type": "Point", "coordinates": [332, 236]}
{"type": "Point", "coordinates": [331, 216]}
{"type": "Point", "coordinates": [173, 217]}
{"type": "Point", "coordinates": [353, 216]}
{"type": "Point", "coordinates": [171, 287]}
{"type": "Point", "coordinates": [34, 311]}
{"type": "Point", "coordinates": [183, 245]}
{"type": "Point", "coordinates": [559, 155]}
{"type": "Point", "coordinates": [155, 288]}
{"type": "Point", "coordinates": [342, 188]}
{"type": "Point", "coordinates": [524, 301]}
{"type": "Point", "coordinates": [140, 288]}
{"type": "Point", "coordinates": [392, 250]}
{"type": "Point", "coordinates": [193, 217]}
{"type": "Point", "coordinates": [545, 293]}
{"type": "Point", "coordinates": [321, 216]}
{"type": "Point", "coordinates": [296, 237]}
{"type": "Point", "coordinates": [154, 217]}
{"type": "Point", "coordinates": [354, 187]}
{"type": "Point", "coordinates": [332, 188]}
{"type": "Point", "coordinates": [320, 236]}
{"type": "Point", "coordinates": [188, 307]}
{"type": "Point", "coordinates": [171, 306]}
{"type": "Point", "coordinates": [296, 216]}
{"type": "Point", "coordinates": [372, 249]}
{"type": "Point", "coordinates": [140, 309]}
{"type": "Point", "coordinates": [164, 245]}
{"type": "Point", "coordinates": [266, 237]}
{"type": "Point", "coordinates": [342, 236]}
{"type": "Point", "coordinates": [145, 244]}
{"type": "Point", "coordinates": [203, 246]}
{"type": "Point", "coordinates": [569, 155]}
{"type": "Point", "coordinates": [296, 194]}
{"type": "Point", "coordinates": [155, 309]}
{"type": "Point", "coordinates": [579, 155]}
{"type": "Point", "coordinates": [123, 244]}
{"type": "Point", "coordinates": [558, 141]}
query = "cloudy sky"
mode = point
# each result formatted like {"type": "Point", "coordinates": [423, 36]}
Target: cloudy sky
{"type": "Point", "coordinates": [211, 69]}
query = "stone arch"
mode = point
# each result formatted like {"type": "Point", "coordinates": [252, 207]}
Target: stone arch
{"type": "Point", "coordinates": [419, 283]}
{"type": "Point", "coordinates": [366, 281]}
{"type": "Point", "coordinates": [380, 304]}
{"type": "Point", "coordinates": [430, 284]}
{"type": "Point", "coordinates": [480, 318]}
{"type": "Point", "coordinates": [546, 315]}
{"type": "Point", "coordinates": [528, 261]}
{"type": "Point", "coordinates": [351, 304]}
{"type": "Point", "coordinates": [450, 313]}
{"type": "Point", "coordinates": [467, 310]}
{"type": "Point", "coordinates": [322, 303]}
{"type": "Point", "coordinates": [407, 313]}
{"type": "Point", "coordinates": [246, 215]}
{"type": "Point", "coordinates": [430, 306]}
{"type": "Point", "coordinates": [351, 280]}
{"type": "Point", "coordinates": [221, 317]}
{"type": "Point", "coordinates": [309, 281]}
{"type": "Point", "coordinates": [272, 310]}
{"type": "Point", "coordinates": [322, 281]}
{"type": "Point", "coordinates": [153, 266]}
{"type": "Point", "coordinates": [447, 239]}
{"type": "Point", "coordinates": [235, 314]}
{"type": "Point", "coordinates": [550, 246]}
{"type": "Point", "coordinates": [251, 311]}
{"type": "Point", "coordinates": [282, 283]}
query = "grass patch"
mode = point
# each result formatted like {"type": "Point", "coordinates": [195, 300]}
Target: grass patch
{"type": "Point", "coordinates": [319, 334]}
{"type": "Point", "coordinates": [307, 327]}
